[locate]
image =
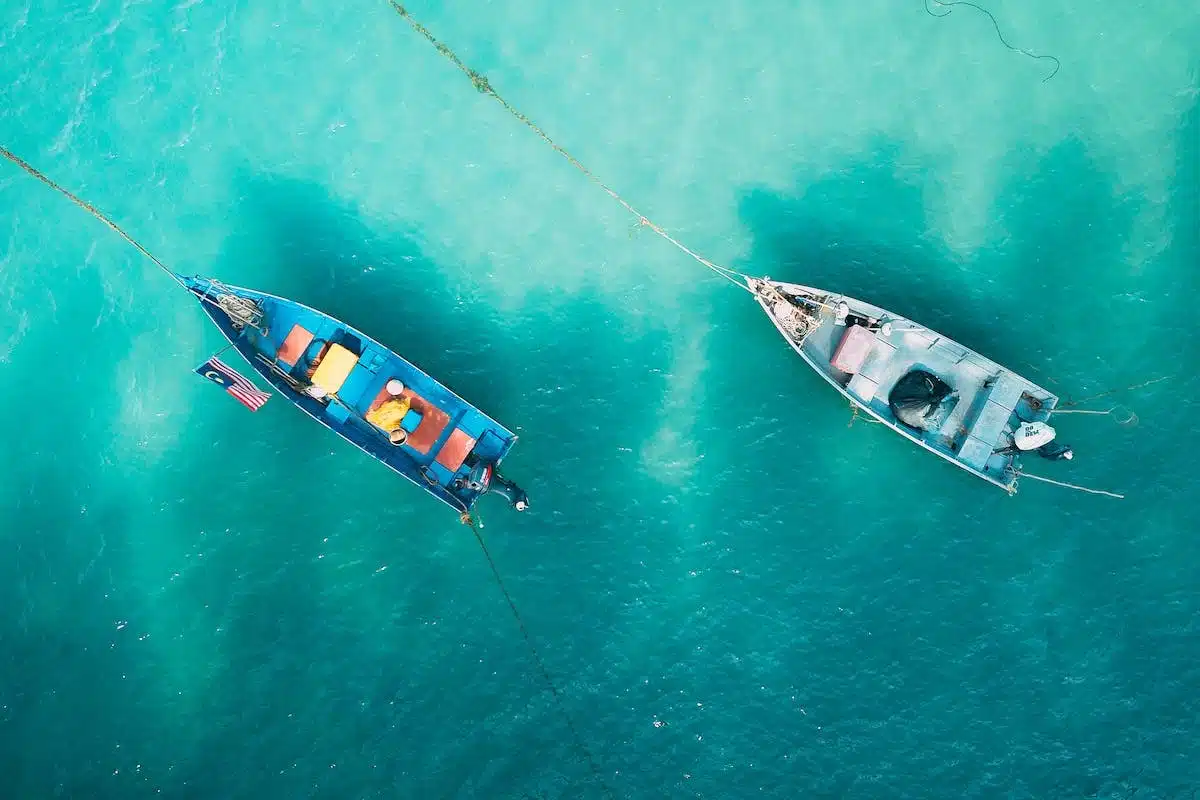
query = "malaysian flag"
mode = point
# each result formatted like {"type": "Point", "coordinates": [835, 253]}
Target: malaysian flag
{"type": "Point", "coordinates": [227, 377]}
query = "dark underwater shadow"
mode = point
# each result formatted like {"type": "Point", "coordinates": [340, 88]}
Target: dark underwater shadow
{"type": "Point", "coordinates": [1152, 722]}
{"type": "Point", "coordinates": [862, 231]}
{"type": "Point", "coordinates": [302, 243]}
{"type": "Point", "coordinates": [56, 661]}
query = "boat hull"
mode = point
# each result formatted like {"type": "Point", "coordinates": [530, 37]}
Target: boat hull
{"type": "Point", "coordinates": [450, 448]}
{"type": "Point", "coordinates": [989, 401]}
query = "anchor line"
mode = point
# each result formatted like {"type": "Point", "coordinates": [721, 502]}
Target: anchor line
{"type": "Point", "coordinates": [1143, 385]}
{"type": "Point", "coordinates": [88, 207]}
{"type": "Point", "coordinates": [484, 87]}
{"type": "Point", "coordinates": [1066, 485]}
{"type": "Point", "coordinates": [541, 665]}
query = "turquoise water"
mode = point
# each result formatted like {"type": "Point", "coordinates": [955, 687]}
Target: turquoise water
{"type": "Point", "coordinates": [737, 595]}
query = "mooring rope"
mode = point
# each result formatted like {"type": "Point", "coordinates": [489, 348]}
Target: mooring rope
{"type": "Point", "coordinates": [1130, 418]}
{"type": "Point", "coordinates": [475, 523]}
{"type": "Point", "coordinates": [1143, 385]}
{"type": "Point", "coordinates": [1070, 485]}
{"type": "Point", "coordinates": [88, 207]}
{"type": "Point", "coordinates": [541, 665]}
{"type": "Point", "coordinates": [481, 84]}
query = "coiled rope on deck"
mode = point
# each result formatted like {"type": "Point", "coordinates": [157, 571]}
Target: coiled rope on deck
{"type": "Point", "coordinates": [481, 84]}
{"type": "Point", "coordinates": [88, 207]}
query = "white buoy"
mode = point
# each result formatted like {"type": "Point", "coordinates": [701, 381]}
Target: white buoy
{"type": "Point", "coordinates": [395, 388]}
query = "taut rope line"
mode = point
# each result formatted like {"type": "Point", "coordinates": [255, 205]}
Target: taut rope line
{"type": "Point", "coordinates": [1070, 403]}
{"type": "Point", "coordinates": [541, 665]}
{"type": "Point", "coordinates": [88, 207]}
{"type": "Point", "coordinates": [1070, 485]}
{"type": "Point", "coordinates": [481, 83]}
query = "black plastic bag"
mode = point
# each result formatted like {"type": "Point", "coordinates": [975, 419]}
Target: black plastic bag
{"type": "Point", "coordinates": [916, 398]}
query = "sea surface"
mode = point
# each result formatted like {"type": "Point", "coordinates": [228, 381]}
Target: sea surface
{"type": "Point", "coordinates": [736, 593]}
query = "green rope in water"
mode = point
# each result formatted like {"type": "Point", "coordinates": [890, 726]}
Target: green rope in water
{"type": "Point", "coordinates": [88, 207]}
{"type": "Point", "coordinates": [948, 6]}
{"type": "Point", "coordinates": [481, 84]}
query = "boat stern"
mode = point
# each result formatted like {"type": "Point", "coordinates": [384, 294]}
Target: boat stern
{"type": "Point", "coordinates": [485, 478]}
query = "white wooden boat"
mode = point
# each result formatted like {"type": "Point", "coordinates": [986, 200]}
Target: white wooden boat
{"type": "Point", "coordinates": [930, 389]}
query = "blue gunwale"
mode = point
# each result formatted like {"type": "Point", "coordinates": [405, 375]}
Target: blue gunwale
{"type": "Point", "coordinates": [377, 364]}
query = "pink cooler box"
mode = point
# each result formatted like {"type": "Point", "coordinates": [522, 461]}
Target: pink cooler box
{"type": "Point", "coordinates": [853, 350]}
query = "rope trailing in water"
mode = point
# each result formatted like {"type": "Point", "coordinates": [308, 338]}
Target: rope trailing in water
{"type": "Point", "coordinates": [1113, 391]}
{"type": "Point", "coordinates": [996, 25]}
{"type": "Point", "coordinates": [854, 415]}
{"type": "Point", "coordinates": [482, 85]}
{"type": "Point", "coordinates": [1129, 419]}
{"type": "Point", "coordinates": [88, 207]}
{"type": "Point", "coordinates": [1072, 486]}
{"type": "Point", "coordinates": [537, 658]}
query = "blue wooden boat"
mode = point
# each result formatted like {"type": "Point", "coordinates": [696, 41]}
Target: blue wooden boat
{"type": "Point", "coordinates": [348, 382]}
{"type": "Point", "coordinates": [933, 391]}
{"type": "Point", "coordinates": [365, 393]}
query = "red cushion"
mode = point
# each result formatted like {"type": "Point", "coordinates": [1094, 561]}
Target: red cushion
{"type": "Point", "coordinates": [853, 350]}
{"type": "Point", "coordinates": [294, 345]}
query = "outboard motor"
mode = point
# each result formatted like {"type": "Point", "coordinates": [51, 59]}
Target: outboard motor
{"type": "Point", "coordinates": [510, 491]}
{"type": "Point", "coordinates": [1056, 451]}
{"type": "Point", "coordinates": [484, 478]}
{"type": "Point", "coordinates": [1038, 437]}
